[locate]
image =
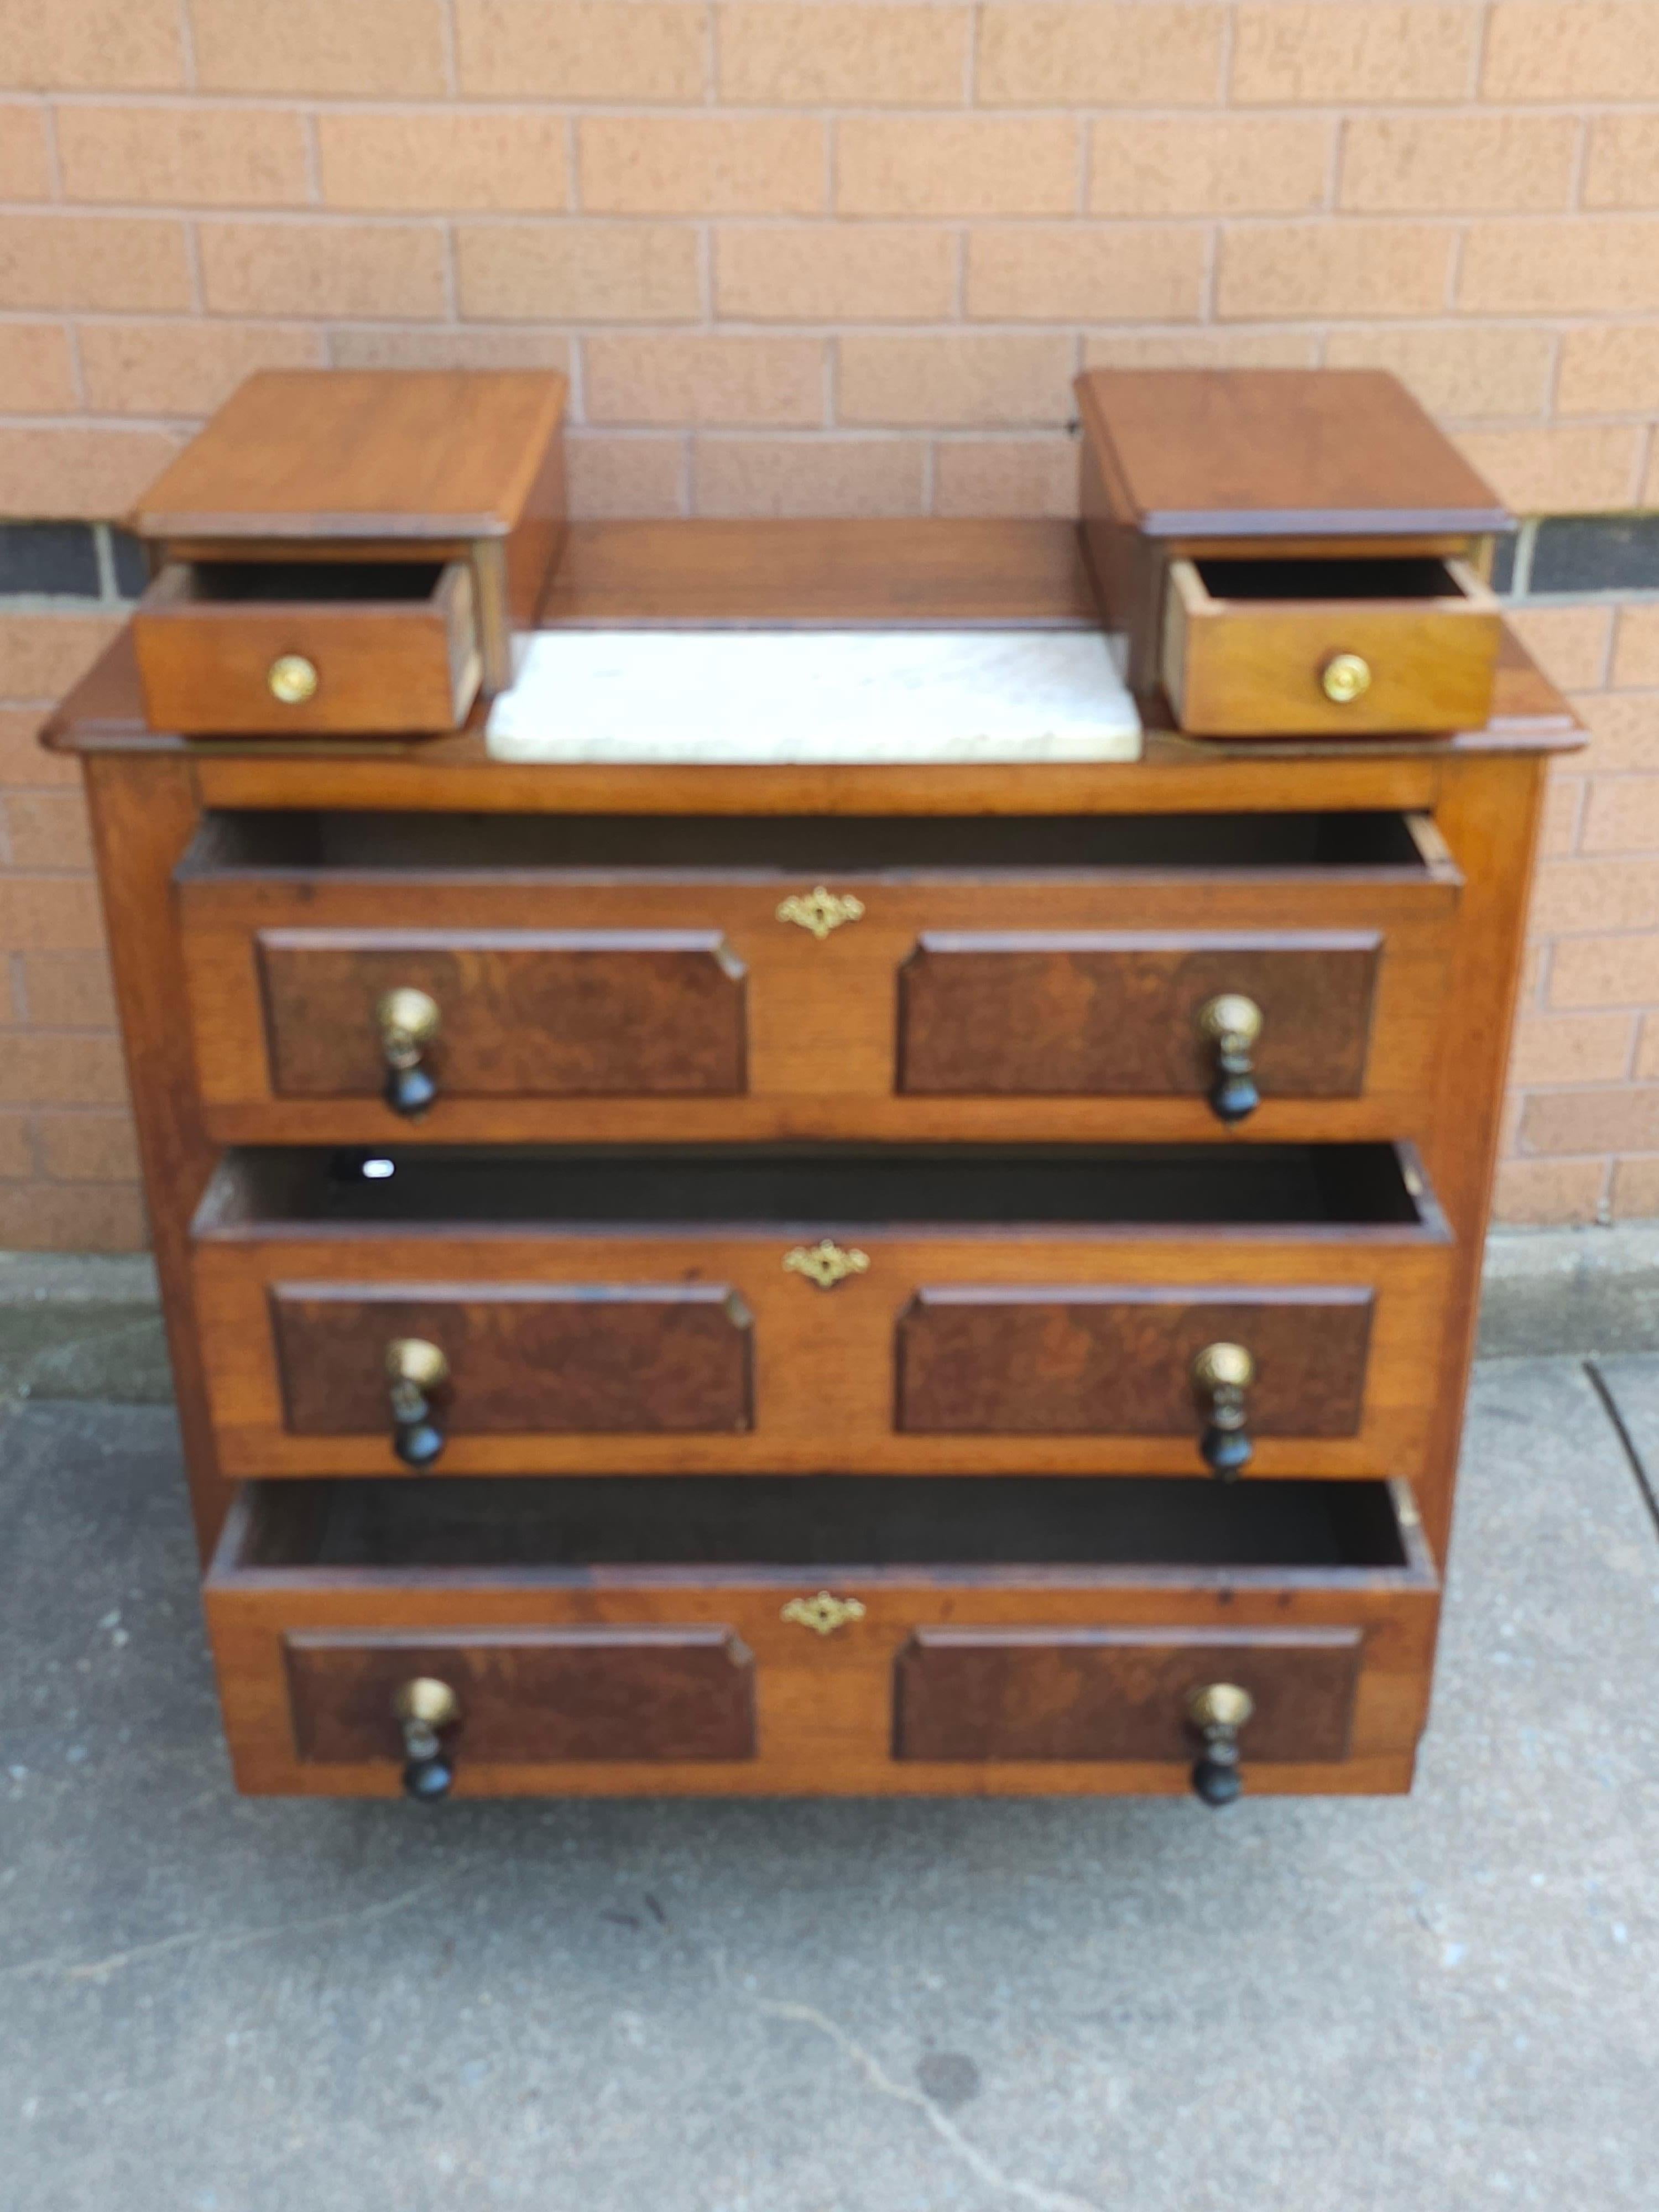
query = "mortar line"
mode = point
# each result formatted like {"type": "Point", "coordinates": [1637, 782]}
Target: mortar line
{"type": "Point", "coordinates": [1603, 1390]}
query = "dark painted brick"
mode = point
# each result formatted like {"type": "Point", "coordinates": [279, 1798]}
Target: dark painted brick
{"type": "Point", "coordinates": [1503, 563]}
{"type": "Point", "coordinates": [1597, 553]}
{"type": "Point", "coordinates": [131, 564]}
{"type": "Point", "coordinates": [48, 557]}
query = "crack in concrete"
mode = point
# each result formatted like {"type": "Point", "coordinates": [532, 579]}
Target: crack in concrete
{"type": "Point", "coordinates": [1028, 2192]}
{"type": "Point", "coordinates": [233, 1940]}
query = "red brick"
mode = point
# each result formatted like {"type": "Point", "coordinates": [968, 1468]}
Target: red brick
{"type": "Point", "coordinates": [67, 1216]}
{"type": "Point", "coordinates": [88, 1147]}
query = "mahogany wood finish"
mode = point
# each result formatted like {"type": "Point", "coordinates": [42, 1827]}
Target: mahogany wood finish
{"type": "Point", "coordinates": [1246, 643]}
{"type": "Point", "coordinates": [1028, 996]}
{"type": "Point", "coordinates": [393, 647]}
{"type": "Point", "coordinates": [1117, 1014]}
{"type": "Point", "coordinates": [339, 466]}
{"type": "Point", "coordinates": [525, 1013]}
{"type": "Point", "coordinates": [824, 1706]}
{"type": "Point", "coordinates": [1085, 1694]}
{"type": "Point", "coordinates": [636, 1357]}
{"type": "Point", "coordinates": [986, 1360]}
{"type": "Point", "coordinates": [243, 978]}
{"type": "Point", "coordinates": [530, 1694]}
{"type": "Point", "coordinates": [827, 1362]}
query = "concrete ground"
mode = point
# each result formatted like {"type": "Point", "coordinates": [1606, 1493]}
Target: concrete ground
{"type": "Point", "coordinates": [1433, 2003]}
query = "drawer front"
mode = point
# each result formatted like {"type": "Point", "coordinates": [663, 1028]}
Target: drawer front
{"type": "Point", "coordinates": [1275, 668]}
{"type": "Point", "coordinates": [1088, 1693]}
{"type": "Point", "coordinates": [583, 1358]}
{"type": "Point", "coordinates": [688, 1012]}
{"type": "Point", "coordinates": [530, 1695]}
{"type": "Point", "coordinates": [822, 1680]}
{"type": "Point", "coordinates": [1117, 1359]}
{"type": "Point", "coordinates": [299, 666]}
{"type": "Point", "coordinates": [1119, 1014]}
{"type": "Point", "coordinates": [522, 1014]}
{"type": "Point", "coordinates": [962, 1354]}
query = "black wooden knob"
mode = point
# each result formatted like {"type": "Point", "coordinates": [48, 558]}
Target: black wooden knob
{"type": "Point", "coordinates": [1231, 1023]}
{"type": "Point", "coordinates": [409, 1023]}
{"type": "Point", "coordinates": [1222, 1374]}
{"type": "Point", "coordinates": [409, 1090]}
{"type": "Point", "coordinates": [426, 1711]}
{"type": "Point", "coordinates": [417, 1372]}
{"type": "Point", "coordinates": [1217, 1712]}
{"type": "Point", "coordinates": [428, 1779]}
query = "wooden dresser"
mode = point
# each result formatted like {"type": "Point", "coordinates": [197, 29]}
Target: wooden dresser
{"type": "Point", "coordinates": [697, 1279]}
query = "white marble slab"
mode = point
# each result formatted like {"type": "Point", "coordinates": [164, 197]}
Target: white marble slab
{"type": "Point", "coordinates": [815, 696]}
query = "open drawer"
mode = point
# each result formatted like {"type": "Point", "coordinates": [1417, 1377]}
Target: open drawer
{"type": "Point", "coordinates": [309, 647]}
{"type": "Point", "coordinates": [835, 1635]}
{"type": "Point", "coordinates": [635, 1309]}
{"type": "Point", "coordinates": [1333, 646]}
{"type": "Point", "coordinates": [711, 979]}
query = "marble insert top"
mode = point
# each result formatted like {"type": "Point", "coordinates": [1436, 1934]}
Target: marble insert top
{"type": "Point", "coordinates": [786, 696]}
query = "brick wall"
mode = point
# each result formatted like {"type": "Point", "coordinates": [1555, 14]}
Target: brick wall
{"type": "Point", "coordinates": [827, 258]}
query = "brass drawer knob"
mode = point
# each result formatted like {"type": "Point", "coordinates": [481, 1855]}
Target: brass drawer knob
{"type": "Point", "coordinates": [409, 1022]}
{"type": "Point", "coordinates": [1217, 1711]}
{"type": "Point", "coordinates": [821, 911]}
{"type": "Point", "coordinates": [424, 1708]}
{"type": "Point", "coordinates": [1222, 1374]}
{"type": "Point", "coordinates": [824, 1613]}
{"type": "Point", "coordinates": [292, 679]}
{"type": "Point", "coordinates": [825, 1263]}
{"type": "Point", "coordinates": [1345, 677]}
{"type": "Point", "coordinates": [1231, 1023]}
{"type": "Point", "coordinates": [416, 1372]}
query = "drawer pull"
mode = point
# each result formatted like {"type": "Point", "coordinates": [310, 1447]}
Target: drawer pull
{"type": "Point", "coordinates": [825, 1263]}
{"type": "Point", "coordinates": [1219, 1711]}
{"type": "Point", "coordinates": [1345, 677]}
{"type": "Point", "coordinates": [824, 1613]}
{"type": "Point", "coordinates": [409, 1023]}
{"type": "Point", "coordinates": [292, 679]}
{"type": "Point", "coordinates": [820, 910]}
{"type": "Point", "coordinates": [416, 1370]}
{"type": "Point", "coordinates": [424, 1708]}
{"type": "Point", "coordinates": [1223, 1373]}
{"type": "Point", "coordinates": [1233, 1022]}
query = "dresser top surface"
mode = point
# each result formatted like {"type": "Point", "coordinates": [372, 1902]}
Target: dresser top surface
{"type": "Point", "coordinates": [974, 575]}
{"type": "Point", "coordinates": [1281, 452]}
{"type": "Point", "coordinates": [345, 453]}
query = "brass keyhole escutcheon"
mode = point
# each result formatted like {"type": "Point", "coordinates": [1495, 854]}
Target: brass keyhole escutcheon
{"type": "Point", "coordinates": [825, 1263]}
{"type": "Point", "coordinates": [292, 679]}
{"type": "Point", "coordinates": [1345, 677]}
{"type": "Point", "coordinates": [824, 1613]}
{"type": "Point", "coordinates": [820, 910]}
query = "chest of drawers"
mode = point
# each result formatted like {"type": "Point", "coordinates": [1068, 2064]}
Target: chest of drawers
{"type": "Point", "coordinates": [690, 1277]}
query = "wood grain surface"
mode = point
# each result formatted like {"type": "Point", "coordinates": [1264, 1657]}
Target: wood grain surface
{"type": "Point", "coordinates": [581, 1693]}
{"type": "Point", "coordinates": [1087, 1693]}
{"type": "Point", "coordinates": [983, 1360]}
{"type": "Point", "coordinates": [525, 1013]}
{"type": "Point", "coordinates": [639, 1357]}
{"type": "Point", "coordinates": [824, 1706]}
{"type": "Point", "coordinates": [1115, 1013]}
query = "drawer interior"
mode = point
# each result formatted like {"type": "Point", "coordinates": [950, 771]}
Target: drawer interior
{"type": "Point", "coordinates": [969, 1185]}
{"type": "Point", "coordinates": [255, 842]}
{"type": "Point", "coordinates": [846, 1523]}
{"type": "Point", "coordinates": [286, 583]}
{"type": "Point", "coordinates": [1373, 577]}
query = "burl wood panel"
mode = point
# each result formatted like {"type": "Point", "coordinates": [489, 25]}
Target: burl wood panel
{"type": "Point", "coordinates": [575, 1358]}
{"type": "Point", "coordinates": [1109, 1011]}
{"type": "Point", "coordinates": [1089, 1693]}
{"type": "Point", "coordinates": [553, 1693]}
{"type": "Point", "coordinates": [536, 1013]}
{"type": "Point", "coordinates": [1116, 1360]}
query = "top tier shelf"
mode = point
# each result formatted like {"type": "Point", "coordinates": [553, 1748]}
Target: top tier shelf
{"type": "Point", "coordinates": [932, 574]}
